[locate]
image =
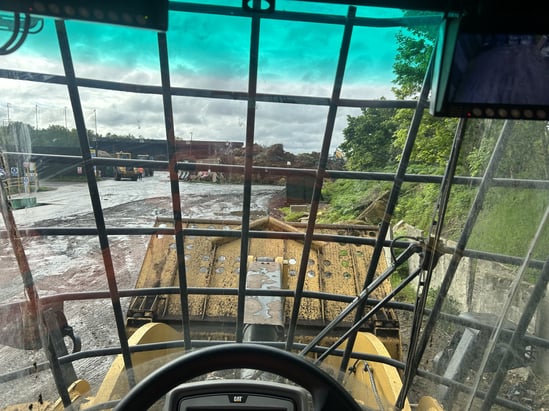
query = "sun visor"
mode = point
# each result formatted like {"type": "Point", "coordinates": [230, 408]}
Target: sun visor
{"type": "Point", "coordinates": [147, 14]}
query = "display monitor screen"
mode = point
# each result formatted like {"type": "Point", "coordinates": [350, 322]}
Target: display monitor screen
{"type": "Point", "coordinates": [490, 72]}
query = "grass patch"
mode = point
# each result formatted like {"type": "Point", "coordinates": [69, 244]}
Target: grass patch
{"type": "Point", "coordinates": [292, 216]}
{"type": "Point", "coordinates": [509, 221]}
{"type": "Point", "coordinates": [347, 198]}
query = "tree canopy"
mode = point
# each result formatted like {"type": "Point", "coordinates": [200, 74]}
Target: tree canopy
{"type": "Point", "coordinates": [374, 141]}
{"type": "Point", "coordinates": [368, 143]}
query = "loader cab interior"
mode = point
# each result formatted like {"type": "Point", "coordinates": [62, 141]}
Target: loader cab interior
{"type": "Point", "coordinates": [207, 292]}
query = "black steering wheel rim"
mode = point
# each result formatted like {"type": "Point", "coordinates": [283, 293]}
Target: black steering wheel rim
{"type": "Point", "coordinates": [327, 393]}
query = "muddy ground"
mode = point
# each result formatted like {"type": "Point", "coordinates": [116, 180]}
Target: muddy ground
{"type": "Point", "coordinates": [62, 264]}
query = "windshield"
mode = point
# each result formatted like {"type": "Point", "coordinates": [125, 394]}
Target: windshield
{"type": "Point", "coordinates": [256, 174]}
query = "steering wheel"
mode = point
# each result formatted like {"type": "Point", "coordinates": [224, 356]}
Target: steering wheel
{"type": "Point", "coordinates": [327, 393]}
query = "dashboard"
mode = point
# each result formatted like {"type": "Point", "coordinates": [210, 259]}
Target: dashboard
{"type": "Point", "coordinates": [237, 395]}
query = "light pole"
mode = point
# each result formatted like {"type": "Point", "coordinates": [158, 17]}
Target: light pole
{"type": "Point", "coordinates": [95, 120]}
{"type": "Point", "coordinates": [191, 145]}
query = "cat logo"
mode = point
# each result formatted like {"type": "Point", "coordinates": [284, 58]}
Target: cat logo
{"type": "Point", "coordinates": [237, 398]}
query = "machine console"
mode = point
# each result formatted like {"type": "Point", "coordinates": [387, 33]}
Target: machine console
{"type": "Point", "coordinates": [237, 395]}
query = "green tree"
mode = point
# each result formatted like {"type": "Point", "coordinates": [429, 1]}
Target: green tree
{"type": "Point", "coordinates": [415, 45]}
{"type": "Point", "coordinates": [368, 143]}
{"type": "Point", "coordinates": [55, 136]}
{"type": "Point", "coordinates": [433, 141]}
{"type": "Point", "coordinates": [375, 139]}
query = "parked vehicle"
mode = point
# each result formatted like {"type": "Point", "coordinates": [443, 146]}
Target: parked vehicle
{"type": "Point", "coordinates": [147, 171]}
{"type": "Point", "coordinates": [125, 172]}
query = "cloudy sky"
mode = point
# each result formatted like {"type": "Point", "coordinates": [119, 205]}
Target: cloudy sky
{"type": "Point", "coordinates": [204, 51]}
